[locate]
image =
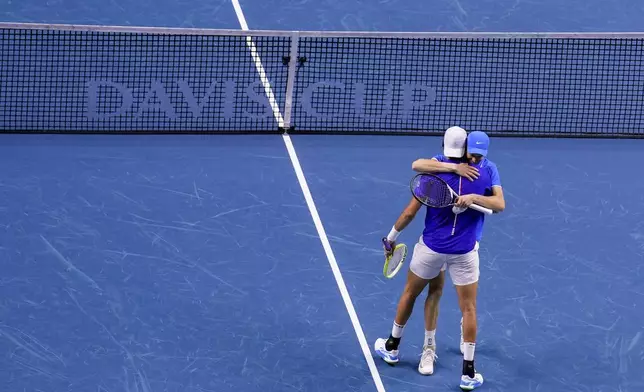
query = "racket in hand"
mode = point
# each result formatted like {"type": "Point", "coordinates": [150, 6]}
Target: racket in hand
{"type": "Point", "coordinates": [434, 192]}
{"type": "Point", "coordinates": [394, 259]}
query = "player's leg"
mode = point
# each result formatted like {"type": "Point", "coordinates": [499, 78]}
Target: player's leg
{"type": "Point", "coordinates": [467, 302]}
{"type": "Point", "coordinates": [424, 266]}
{"type": "Point", "coordinates": [464, 271]}
{"type": "Point", "coordinates": [462, 345]}
{"type": "Point", "coordinates": [388, 348]}
{"type": "Point", "coordinates": [427, 359]}
{"type": "Point", "coordinates": [432, 307]}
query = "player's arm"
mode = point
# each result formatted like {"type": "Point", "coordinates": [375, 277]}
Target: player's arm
{"type": "Point", "coordinates": [433, 165]}
{"type": "Point", "coordinates": [496, 202]}
{"type": "Point", "coordinates": [405, 218]}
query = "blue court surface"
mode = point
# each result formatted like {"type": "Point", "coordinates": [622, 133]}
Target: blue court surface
{"type": "Point", "coordinates": [192, 263]}
{"type": "Point", "coordinates": [186, 263]}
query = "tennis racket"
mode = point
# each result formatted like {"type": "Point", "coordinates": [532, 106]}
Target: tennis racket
{"type": "Point", "coordinates": [434, 192]}
{"type": "Point", "coordinates": [395, 261]}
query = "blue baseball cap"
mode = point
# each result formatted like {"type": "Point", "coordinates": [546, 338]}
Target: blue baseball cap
{"type": "Point", "coordinates": [477, 143]}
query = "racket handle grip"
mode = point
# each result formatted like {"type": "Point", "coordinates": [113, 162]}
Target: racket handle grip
{"type": "Point", "coordinates": [484, 210]}
{"type": "Point", "coordinates": [386, 244]}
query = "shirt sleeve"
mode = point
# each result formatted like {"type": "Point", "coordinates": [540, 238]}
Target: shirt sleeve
{"type": "Point", "coordinates": [440, 158]}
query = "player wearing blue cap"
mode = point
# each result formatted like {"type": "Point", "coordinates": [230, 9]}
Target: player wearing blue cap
{"type": "Point", "coordinates": [449, 239]}
{"type": "Point", "coordinates": [478, 146]}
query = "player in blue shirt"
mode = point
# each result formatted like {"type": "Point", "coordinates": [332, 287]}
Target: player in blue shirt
{"type": "Point", "coordinates": [442, 164]}
{"type": "Point", "coordinates": [449, 240]}
{"type": "Point", "coordinates": [453, 160]}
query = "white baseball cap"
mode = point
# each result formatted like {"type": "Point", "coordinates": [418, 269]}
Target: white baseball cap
{"type": "Point", "coordinates": [454, 142]}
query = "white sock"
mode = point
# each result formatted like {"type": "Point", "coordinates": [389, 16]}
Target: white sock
{"type": "Point", "coordinates": [468, 351]}
{"type": "Point", "coordinates": [397, 330]}
{"type": "Point", "coordinates": [430, 338]}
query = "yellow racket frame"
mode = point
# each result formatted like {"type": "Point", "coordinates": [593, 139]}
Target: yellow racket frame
{"type": "Point", "coordinates": [398, 247]}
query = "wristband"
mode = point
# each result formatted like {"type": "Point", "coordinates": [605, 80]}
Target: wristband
{"type": "Point", "coordinates": [393, 234]}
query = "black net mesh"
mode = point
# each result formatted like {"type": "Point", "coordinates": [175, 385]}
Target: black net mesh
{"type": "Point", "coordinates": [102, 81]}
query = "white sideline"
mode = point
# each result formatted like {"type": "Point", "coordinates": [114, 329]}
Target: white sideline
{"type": "Point", "coordinates": [312, 209]}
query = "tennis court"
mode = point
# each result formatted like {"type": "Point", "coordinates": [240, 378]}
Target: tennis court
{"type": "Point", "coordinates": [171, 259]}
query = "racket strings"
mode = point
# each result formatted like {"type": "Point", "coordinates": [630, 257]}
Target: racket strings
{"type": "Point", "coordinates": [393, 264]}
{"type": "Point", "coordinates": [433, 191]}
{"type": "Point", "coordinates": [399, 254]}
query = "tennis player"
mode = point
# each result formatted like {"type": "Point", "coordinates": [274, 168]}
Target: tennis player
{"type": "Point", "coordinates": [449, 239]}
{"type": "Point", "coordinates": [444, 164]}
{"type": "Point", "coordinates": [453, 160]}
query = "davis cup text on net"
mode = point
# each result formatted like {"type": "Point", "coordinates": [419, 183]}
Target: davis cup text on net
{"type": "Point", "coordinates": [226, 99]}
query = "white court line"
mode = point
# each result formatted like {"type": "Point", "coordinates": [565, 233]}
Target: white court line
{"type": "Point", "coordinates": [258, 64]}
{"type": "Point", "coordinates": [312, 209]}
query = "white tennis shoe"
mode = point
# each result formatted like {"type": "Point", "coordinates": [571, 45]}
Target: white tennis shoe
{"type": "Point", "coordinates": [426, 365]}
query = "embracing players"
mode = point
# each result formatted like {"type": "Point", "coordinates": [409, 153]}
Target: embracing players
{"type": "Point", "coordinates": [449, 241]}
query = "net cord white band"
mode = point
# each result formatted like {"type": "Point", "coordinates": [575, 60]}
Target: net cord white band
{"type": "Point", "coordinates": [323, 34]}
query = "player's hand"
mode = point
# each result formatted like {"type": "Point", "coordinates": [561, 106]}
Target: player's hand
{"type": "Point", "coordinates": [392, 245]}
{"type": "Point", "coordinates": [465, 201]}
{"type": "Point", "coordinates": [467, 171]}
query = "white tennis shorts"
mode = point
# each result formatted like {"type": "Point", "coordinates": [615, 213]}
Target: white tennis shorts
{"type": "Point", "coordinates": [427, 264]}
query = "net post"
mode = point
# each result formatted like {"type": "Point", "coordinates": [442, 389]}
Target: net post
{"type": "Point", "coordinates": [290, 82]}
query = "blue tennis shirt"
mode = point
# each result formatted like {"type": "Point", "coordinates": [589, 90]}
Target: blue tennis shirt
{"type": "Point", "coordinates": [449, 233]}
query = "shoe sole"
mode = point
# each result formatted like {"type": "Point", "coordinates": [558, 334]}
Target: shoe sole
{"type": "Point", "coordinates": [387, 361]}
{"type": "Point", "coordinates": [470, 388]}
{"type": "Point", "coordinates": [425, 374]}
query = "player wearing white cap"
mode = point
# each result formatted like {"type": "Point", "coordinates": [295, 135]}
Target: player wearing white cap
{"type": "Point", "coordinates": [454, 145]}
{"type": "Point", "coordinates": [477, 158]}
{"type": "Point", "coordinates": [436, 248]}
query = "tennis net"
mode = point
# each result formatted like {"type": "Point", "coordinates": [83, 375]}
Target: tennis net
{"type": "Point", "coordinates": [65, 78]}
